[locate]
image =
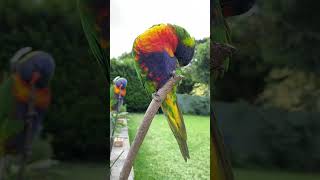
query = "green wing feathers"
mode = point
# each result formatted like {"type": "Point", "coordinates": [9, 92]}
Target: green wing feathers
{"type": "Point", "coordinates": [220, 33]}
{"type": "Point", "coordinates": [93, 15]}
{"type": "Point", "coordinates": [8, 125]}
{"type": "Point", "coordinates": [172, 111]}
{"type": "Point", "coordinates": [220, 29]}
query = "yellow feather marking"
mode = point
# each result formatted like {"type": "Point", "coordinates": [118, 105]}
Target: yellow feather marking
{"type": "Point", "coordinates": [169, 51]}
{"type": "Point", "coordinates": [189, 41]}
{"type": "Point", "coordinates": [171, 109]}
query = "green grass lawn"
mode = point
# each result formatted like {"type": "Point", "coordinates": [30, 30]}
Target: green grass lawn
{"type": "Point", "coordinates": [159, 156]}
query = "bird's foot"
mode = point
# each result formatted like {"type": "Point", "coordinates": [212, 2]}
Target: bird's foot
{"type": "Point", "coordinates": [220, 52]}
{"type": "Point", "coordinates": [173, 74]}
{"type": "Point", "coordinates": [156, 97]}
{"type": "Point", "coordinates": [225, 49]}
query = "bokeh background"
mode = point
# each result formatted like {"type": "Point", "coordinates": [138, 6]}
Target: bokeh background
{"type": "Point", "coordinates": [268, 102]}
{"type": "Point", "coordinates": [75, 129]}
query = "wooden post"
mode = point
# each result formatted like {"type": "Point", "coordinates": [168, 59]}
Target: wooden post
{"type": "Point", "coordinates": [28, 135]}
{"type": "Point", "coordinates": [144, 127]}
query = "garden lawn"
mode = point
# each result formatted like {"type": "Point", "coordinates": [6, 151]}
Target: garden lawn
{"type": "Point", "coordinates": [159, 156]}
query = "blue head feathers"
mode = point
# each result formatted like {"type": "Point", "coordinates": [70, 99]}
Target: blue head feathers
{"type": "Point", "coordinates": [36, 66]}
{"type": "Point", "coordinates": [120, 82]}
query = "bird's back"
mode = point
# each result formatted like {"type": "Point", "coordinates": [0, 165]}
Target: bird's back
{"type": "Point", "coordinates": [158, 38]}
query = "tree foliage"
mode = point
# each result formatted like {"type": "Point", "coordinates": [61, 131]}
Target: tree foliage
{"type": "Point", "coordinates": [273, 35]}
{"type": "Point", "coordinates": [199, 67]}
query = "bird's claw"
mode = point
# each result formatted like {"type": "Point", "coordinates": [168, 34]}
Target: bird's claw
{"type": "Point", "coordinates": [220, 52]}
{"type": "Point", "coordinates": [225, 49]}
{"type": "Point", "coordinates": [173, 73]}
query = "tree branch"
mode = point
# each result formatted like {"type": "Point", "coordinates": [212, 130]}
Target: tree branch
{"type": "Point", "coordinates": [27, 134]}
{"type": "Point", "coordinates": [144, 127]}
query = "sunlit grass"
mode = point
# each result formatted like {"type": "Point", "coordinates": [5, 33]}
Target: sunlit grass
{"type": "Point", "coordinates": [159, 156]}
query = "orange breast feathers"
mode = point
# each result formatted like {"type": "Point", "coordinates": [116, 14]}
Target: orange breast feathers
{"type": "Point", "coordinates": [117, 91]}
{"type": "Point", "coordinates": [22, 92]}
{"type": "Point", "coordinates": [156, 39]}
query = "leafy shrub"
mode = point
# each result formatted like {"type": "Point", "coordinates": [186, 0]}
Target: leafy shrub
{"type": "Point", "coordinates": [194, 104]}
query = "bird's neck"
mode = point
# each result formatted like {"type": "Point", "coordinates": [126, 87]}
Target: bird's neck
{"type": "Point", "coordinates": [22, 93]}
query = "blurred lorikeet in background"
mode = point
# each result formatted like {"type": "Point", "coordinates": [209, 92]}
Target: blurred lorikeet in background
{"type": "Point", "coordinates": [159, 52]}
{"type": "Point", "coordinates": [30, 75]}
{"type": "Point", "coordinates": [221, 51]}
{"type": "Point", "coordinates": [117, 93]}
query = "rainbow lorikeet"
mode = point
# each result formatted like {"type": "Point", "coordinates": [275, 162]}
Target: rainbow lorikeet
{"type": "Point", "coordinates": [221, 51]}
{"type": "Point", "coordinates": [118, 92]}
{"type": "Point", "coordinates": [159, 52]}
{"type": "Point", "coordinates": [94, 17]}
{"type": "Point", "coordinates": [30, 76]}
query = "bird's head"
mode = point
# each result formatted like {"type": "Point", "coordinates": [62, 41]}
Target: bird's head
{"type": "Point", "coordinates": [236, 7]}
{"type": "Point", "coordinates": [185, 48]}
{"type": "Point", "coordinates": [121, 83]}
{"type": "Point", "coordinates": [36, 68]}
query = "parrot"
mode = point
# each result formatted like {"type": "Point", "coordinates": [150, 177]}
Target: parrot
{"type": "Point", "coordinates": [221, 52]}
{"type": "Point", "coordinates": [118, 91]}
{"type": "Point", "coordinates": [30, 72]}
{"type": "Point", "coordinates": [158, 53]}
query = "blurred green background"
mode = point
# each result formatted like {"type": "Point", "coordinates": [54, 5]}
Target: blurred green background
{"type": "Point", "coordinates": [76, 121]}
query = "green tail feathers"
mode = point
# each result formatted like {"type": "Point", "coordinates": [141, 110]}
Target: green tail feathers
{"type": "Point", "coordinates": [172, 111]}
{"type": "Point", "coordinates": [220, 165]}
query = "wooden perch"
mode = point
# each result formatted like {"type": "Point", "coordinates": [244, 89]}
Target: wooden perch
{"type": "Point", "coordinates": [28, 135]}
{"type": "Point", "coordinates": [144, 127]}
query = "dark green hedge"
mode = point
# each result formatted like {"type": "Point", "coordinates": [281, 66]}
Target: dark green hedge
{"type": "Point", "coordinates": [270, 138]}
{"type": "Point", "coordinates": [194, 104]}
{"type": "Point", "coordinates": [136, 100]}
